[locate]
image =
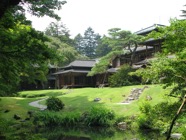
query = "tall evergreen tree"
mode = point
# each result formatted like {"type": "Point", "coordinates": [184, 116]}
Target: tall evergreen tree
{"type": "Point", "coordinates": [79, 43]}
{"type": "Point", "coordinates": [90, 42]}
{"type": "Point", "coordinates": [86, 45]}
{"type": "Point", "coordinates": [103, 47]}
{"type": "Point", "coordinates": [59, 30]}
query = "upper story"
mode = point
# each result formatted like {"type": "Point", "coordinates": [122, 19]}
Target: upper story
{"type": "Point", "coordinates": [145, 50]}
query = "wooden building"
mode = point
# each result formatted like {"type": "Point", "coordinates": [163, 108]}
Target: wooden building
{"type": "Point", "coordinates": [145, 50]}
{"type": "Point", "coordinates": [141, 54]}
{"type": "Point", "coordinates": [155, 43]}
{"type": "Point", "coordinates": [75, 75]}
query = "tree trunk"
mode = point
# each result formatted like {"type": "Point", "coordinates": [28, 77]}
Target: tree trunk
{"type": "Point", "coordinates": [175, 118]}
{"type": "Point", "coordinates": [133, 54]}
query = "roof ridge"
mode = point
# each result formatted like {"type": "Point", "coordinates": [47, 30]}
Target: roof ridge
{"type": "Point", "coordinates": [154, 25]}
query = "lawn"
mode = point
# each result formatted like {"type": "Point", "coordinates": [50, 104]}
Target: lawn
{"type": "Point", "coordinates": [82, 99]}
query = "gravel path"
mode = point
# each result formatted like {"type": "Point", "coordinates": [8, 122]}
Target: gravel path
{"type": "Point", "coordinates": [36, 104]}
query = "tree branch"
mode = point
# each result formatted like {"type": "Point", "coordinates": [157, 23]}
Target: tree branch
{"type": "Point", "coordinates": [175, 118]}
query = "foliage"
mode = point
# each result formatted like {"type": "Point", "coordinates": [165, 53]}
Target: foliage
{"type": "Point", "coordinates": [122, 77]}
{"type": "Point", "coordinates": [98, 116]}
{"type": "Point", "coordinates": [123, 40]}
{"type": "Point", "coordinates": [103, 47]}
{"type": "Point", "coordinates": [38, 8]}
{"type": "Point", "coordinates": [57, 29]}
{"type": "Point", "coordinates": [65, 52]}
{"type": "Point", "coordinates": [157, 117]}
{"type": "Point", "coordinates": [169, 67]}
{"type": "Point", "coordinates": [49, 118]}
{"type": "Point", "coordinates": [79, 43]}
{"type": "Point", "coordinates": [104, 63]}
{"type": "Point", "coordinates": [86, 45]}
{"type": "Point", "coordinates": [54, 104]}
{"type": "Point", "coordinates": [23, 54]}
{"type": "Point", "coordinates": [60, 31]}
{"type": "Point", "coordinates": [11, 130]}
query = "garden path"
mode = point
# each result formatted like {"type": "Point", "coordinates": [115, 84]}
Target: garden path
{"type": "Point", "coordinates": [36, 104]}
{"type": "Point", "coordinates": [134, 95]}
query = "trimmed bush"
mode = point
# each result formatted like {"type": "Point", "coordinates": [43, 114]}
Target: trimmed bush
{"type": "Point", "coordinates": [54, 104]}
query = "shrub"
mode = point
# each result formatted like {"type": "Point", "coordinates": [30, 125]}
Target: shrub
{"type": "Point", "coordinates": [54, 104]}
{"type": "Point", "coordinates": [24, 95]}
{"type": "Point", "coordinates": [157, 117]}
{"type": "Point", "coordinates": [122, 77]}
{"type": "Point", "coordinates": [98, 116]}
{"type": "Point", "coordinates": [49, 118]}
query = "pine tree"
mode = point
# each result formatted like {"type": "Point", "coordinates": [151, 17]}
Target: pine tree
{"type": "Point", "coordinates": [79, 43]}
{"type": "Point", "coordinates": [90, 43]}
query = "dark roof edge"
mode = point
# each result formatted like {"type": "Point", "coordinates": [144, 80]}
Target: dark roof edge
{"type": "Point", "coordinates": [154, 25]}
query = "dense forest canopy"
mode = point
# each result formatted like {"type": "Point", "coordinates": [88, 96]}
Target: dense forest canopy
{"type": "Point", "coordinates": [24, 53]}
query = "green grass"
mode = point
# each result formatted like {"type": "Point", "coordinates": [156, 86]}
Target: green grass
{"type": "Point", "coordinates": [41, 93]}
{"type": "Point", "coordinates": [15, 105]}
{"type": "Point", "coordinates": [81, 99]}
{"type": "Point", "coordinates": [78, 100]}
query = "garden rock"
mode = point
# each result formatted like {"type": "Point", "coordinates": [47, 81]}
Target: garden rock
{"type": "Point", "coordinates": [97, 99]}
{"type": "Point", "coordinates": [134, 94]}
{"type": "Point", "coordinates": [148, 98]}
{"type": "Point", "coordinates": [176, 136]}
{"type": "Point", "coordinates": [122, 125]}
{"type": "Point", "coordinates": [17, 117]}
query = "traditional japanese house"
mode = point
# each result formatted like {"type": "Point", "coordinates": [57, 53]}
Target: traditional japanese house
{"type": "Point", "coordinates": [145, 50]}
{"type": "Point", "coordinates": [75, 75]}
{"type": "Point", "coordinates": [155, 43]}
{"type": "Point", "coordinates": [141, 53]}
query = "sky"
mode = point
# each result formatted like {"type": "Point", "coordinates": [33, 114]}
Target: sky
{"type": "Point", "coordinates": [101, 15]}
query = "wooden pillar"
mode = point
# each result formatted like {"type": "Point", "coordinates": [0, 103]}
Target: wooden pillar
{"type": "Point", "coordinates": [72, 79]}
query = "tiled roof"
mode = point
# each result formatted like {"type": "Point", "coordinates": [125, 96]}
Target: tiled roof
{"type": "Point", "coordinates": [71, 71]}
{"type": "Point", "coordinates": [148, 29]}
{"type": "Point", "coordinates": [82, 63]}
{"type": "Point", "coordinates": [142, 48]}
